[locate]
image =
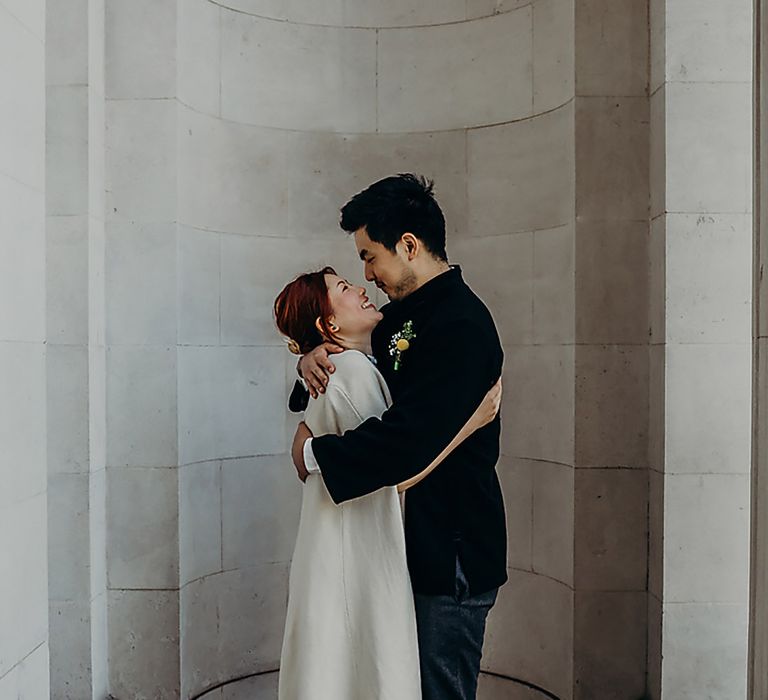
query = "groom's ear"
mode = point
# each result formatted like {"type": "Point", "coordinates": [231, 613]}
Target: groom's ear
{"type": "Point", "coordinates": [411, 245]}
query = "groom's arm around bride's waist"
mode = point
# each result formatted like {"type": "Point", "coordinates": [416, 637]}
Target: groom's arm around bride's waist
{"type": "Point", "coordinates": [455, 366]}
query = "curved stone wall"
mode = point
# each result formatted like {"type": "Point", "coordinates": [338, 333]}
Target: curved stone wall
{"type": "Point", "coordinates": [285, 110]}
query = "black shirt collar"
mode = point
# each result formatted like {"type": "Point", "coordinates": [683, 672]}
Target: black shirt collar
{"type": "Point", "coordinates": [433, 289]}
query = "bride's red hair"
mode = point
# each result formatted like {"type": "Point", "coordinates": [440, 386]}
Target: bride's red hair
{"type": "Point", "coordinates": [300, 304]}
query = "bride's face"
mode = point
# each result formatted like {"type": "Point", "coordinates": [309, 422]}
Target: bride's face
{"type": "Point", "coordinates": [353, 313]}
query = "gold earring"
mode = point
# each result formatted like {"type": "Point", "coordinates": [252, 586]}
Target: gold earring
{"type": "Point", "coordinates": [334, 328]}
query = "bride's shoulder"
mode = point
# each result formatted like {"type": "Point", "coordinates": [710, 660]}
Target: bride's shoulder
{"type": "Point", "coordinates": [352, 362]}
{"type": "Point", "coordinates": [357, 379]}
{"type": "Point", "coordinates": [354, 369]}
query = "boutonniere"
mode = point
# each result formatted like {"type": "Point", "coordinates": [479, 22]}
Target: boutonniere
{"type": "Point", "coordinates": [400, 342]}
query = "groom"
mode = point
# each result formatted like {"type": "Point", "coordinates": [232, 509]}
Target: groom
{"type": "Point", "coordinates": [439, 352]}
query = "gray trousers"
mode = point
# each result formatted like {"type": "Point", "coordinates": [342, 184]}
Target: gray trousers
{"type": "Point", "coordinates": [451, 631]}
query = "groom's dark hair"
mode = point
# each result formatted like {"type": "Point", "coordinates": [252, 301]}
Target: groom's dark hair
{"type": "Point", "coordinates": [396, 205]}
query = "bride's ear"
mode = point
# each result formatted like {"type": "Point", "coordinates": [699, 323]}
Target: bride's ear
{"type": "Point", "coordinates": [331, 325]}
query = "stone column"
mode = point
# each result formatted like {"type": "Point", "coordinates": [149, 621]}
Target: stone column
{"type": "Point", "coordinates": [75, 369]}
{"type": "Point", "coordinates": [611, 355]}
{"type": "Point", "coordinates": [23, 488]}
{"type": "Point", "coordinates": [701, 257]}
{"type": "Point", "coordinates": [758, 676]}
{"type": "Point", "coordinates": [141, 440]}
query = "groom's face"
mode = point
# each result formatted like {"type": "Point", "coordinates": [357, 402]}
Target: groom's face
{"type": "Point", "coordinates": [389, 271]}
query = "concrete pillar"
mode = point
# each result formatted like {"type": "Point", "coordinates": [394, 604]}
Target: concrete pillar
{"type": "Point", "coordinates": [23, 494]}
{"type": "Point", "coordinates": [75, 367]}
{"type": "Point", "coordinates": [701, 255]}
{"type": "Point", "coordinates": [611, 353]}
{"type": "Point", "coordinates": [758, 667]}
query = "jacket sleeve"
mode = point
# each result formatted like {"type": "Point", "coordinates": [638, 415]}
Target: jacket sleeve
{"type": "Point", "coordinates": [299, 398]}
{"type": "Point", "coordinates": [452, 369]}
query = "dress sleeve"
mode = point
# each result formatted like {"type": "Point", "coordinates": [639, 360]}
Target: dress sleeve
{"type": "Point", "coordinates": [452, 371]}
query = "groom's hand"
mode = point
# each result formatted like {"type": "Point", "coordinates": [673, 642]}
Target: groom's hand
{"type": "Point", "coordinates": [303, 433]}
{"type": "Point", "coordinates": [315, 367]}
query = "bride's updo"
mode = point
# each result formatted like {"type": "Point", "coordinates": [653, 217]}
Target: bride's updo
{"type": "Point", "coordinates": [300, 305]}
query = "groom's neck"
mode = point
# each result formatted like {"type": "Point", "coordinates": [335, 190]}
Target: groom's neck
{"type": "Point", "coordinates": [432, 269]}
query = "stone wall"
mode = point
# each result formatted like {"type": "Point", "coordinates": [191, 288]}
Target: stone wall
{"type": "Point", "coordinates": [701, 257]}
{"type": "Point", "coordinates": [197, 155]}
{"type": "Point", "coordinates": [23, 537]}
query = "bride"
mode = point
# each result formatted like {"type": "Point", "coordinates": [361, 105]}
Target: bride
{"type": "Point", "coordinates": [350, 632]}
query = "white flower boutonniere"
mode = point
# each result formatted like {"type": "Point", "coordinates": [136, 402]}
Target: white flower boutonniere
{"type": "Point", "coordinates": [400, 342]}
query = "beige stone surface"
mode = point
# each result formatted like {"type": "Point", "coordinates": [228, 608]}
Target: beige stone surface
{"type": "Point", "coordinates": [706, 557]}
{"type": "Point", "coordinates": [140, 283]}
{"type": "Point", "coordinates": [612, 158]}
{"type": "Point", "coordinates": [553, 521]}
{"type": "Point", "coordinates": [708, 41]}
{"type": "Point", "coordinates": [66, 279]}
{"type": "Point", "coordinates": [554, 282]}
{"type": "Point", "coordinates": [490, 64]}
{"type": "Point", "coordinates": [143, 644]}
{"type": "Point", "coordinates": [709, 132]}
{"type": "Point", "coordinates": [141, 160]}
{"type": "Point", "coordinates": [658, 153]}
{"type": "Point", "coordinates": [708, 294]}
{"type": "Point", "coordinates": [142, 528]}
{"type": "Point", "coordinates": [610, 530]}
{"type": "Point", "coordinates": [610, 644]}
{"type": "Point", "coordinates": [22, 136]}
{"type": "Point", "coordinates": [198, 280]}
{"type": "Point", "coordinates": [612, 406]}
{"type": "Point", "coordinates": [141, 410]}
{"type": "Point", "coordinates": [499, 269]}
{"type": "Point", "coordinates": [198, 56]}
{"type": "Point", "coordinates": [24, 608]}
{"type": "Point", "coordinates": [66, 173]}
{"type": "Point", "coordinates": [299, 77]}
{"type": "Point", "coordinates": [22, 267]}
{"type": "Point", "coordinates": [538, 402]}
{"type": "Point", "coordinates": [704, 650]}
{"type": "Point", "coordinates": [22, 422]}
{"type": "Point", "coordinates": [68, 538]}
{"type": "Point", "coordinates": [611, 47]}
{"type": "Point", "coordinates": [655, 534]}
{"type": "Point", "coordinates": [657, 280]}
{"type": "Point", "coordinates": [521, 175]}
{"type": "Point", "coordinates": [70, 627]}
{"type": "Point", "coordinates": [658, 51]}
{"type": "Point", "coordinates": [653, 681]}
{"type": "Point", "coordinates": [553, 53]}
{"type": "Point", "coordinates": [289, 184]}
{"type": "Point", "coordinates": [261, 500]}
{"type": "Point", "coordinates": [255, 269]}
{"type": "Point", "coordinates": [612, 282]}
{"type": "Point", "coordinates": [200, 520]}
{"type": "Point", "coordinates": [516, 478]}
{"type": "Point", "coordinates": [541, 650]}
{"type": "Point", "coordinates": [67, 409]}
{"type": "Point", "coordinates": [140, 49]}
{"type": "Point", "coordinates": [227, 400]}
{"type": "Point", "coordinates": [359, 13]}
{"type": "Point", "coordinates": [708, 408]}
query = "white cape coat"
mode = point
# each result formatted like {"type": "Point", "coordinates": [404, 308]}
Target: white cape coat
{"type": "Point", "coordinates": [350, 632]}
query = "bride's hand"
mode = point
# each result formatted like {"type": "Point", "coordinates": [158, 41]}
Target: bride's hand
{"type": "Point", "coordinates": [315, 367]}
{"type": "Point", "coordinates": [487, 410]}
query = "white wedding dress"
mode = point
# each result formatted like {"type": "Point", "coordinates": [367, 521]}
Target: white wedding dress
{"type": "Point", "coordinates": [350, 633]}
